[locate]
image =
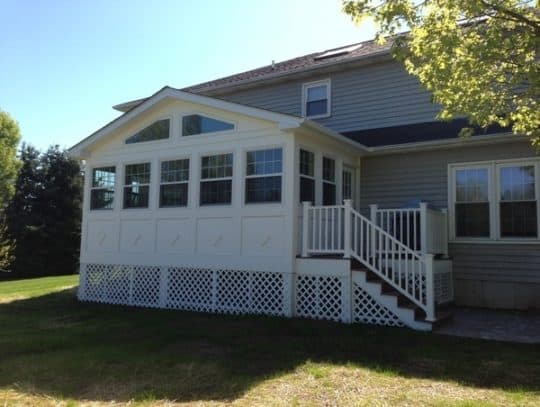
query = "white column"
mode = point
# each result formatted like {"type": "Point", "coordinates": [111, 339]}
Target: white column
{"type": "Point", "coordinates": [305, 227]}
{"type": "Point", "coordinates": [347, 229]}
{"type": "Point", "coordinates": [430, 288]}
{"type": "Point", "coordinates": [423, 227]}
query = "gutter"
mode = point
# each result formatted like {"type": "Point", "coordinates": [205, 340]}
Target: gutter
{"type": "Point", "coordinates": [445, 143]}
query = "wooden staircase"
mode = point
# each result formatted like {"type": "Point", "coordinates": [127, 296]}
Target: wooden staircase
{"type": "Point", "coordinates": [410, 314]}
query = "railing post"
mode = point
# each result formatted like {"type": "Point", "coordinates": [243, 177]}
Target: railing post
{"type": "Point", "coordinates": [430, 287]}
{"type": "Point", "coordinates": [347, 230]}
{"type": "Point", "coordinates": [305, 227]}
{"type": "Point", "coordinates": [445, 231]}
{"type": "Point", "coordinates": [423, 227]}
{"type": "Point", "coordinates": [373, 208]}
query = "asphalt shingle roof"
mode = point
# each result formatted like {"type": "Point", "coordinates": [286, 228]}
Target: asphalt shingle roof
{"type": "Point", "coordinates": [314, 60]}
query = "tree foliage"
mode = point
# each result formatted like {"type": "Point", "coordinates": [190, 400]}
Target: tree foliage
{"type": "Point", "coordinates": [9, 164]}
{"type": "Point", "coordinates": [478, 57]}
{"type": "Point", "coordinates": [43, 217]}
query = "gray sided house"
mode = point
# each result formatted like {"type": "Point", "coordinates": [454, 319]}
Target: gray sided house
{"type": "Point", "coordinates": [322, 186]}
{"type": "Point", "coordinates": [375, 102]}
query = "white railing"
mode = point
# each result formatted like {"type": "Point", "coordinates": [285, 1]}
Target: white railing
{"type": "Point", "coordinates": [422, 229]}
{"type": "Point", "coordinates": [407, 271]}
{"type": "Point", "coordinates": [324, 228]}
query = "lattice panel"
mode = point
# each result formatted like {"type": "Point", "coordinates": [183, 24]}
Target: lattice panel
{"type": "Point", "coordinates": [267, 293]}
{"type": "Point", "coordinates": [319, 297]}
{"type": "Point", "coordinates": [198, 289]}
{"type": "Point", "coordinates": [190, 289]}
{"type": "Point", "coordinates": [233, 291]}
{"type": "Point", "coordinates": [118, 287]}
{"type": "Point", "coordinates": [442, 283]}
{"type": "Point", "coordinates": [368, 311]}
{"type": "Point", "coordinates": [94, 282]}
{"type": "Point", "coordinates": [416, 283]}
{"type": "Point", "coordinates": [146, 286]}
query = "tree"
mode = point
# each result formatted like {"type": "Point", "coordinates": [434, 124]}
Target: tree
{"type": "Point", "coordinates": [9, 164]}
{"type": "Point", "coordinates": [478, 57]}
{"type": "Point", "coordinates": [43, 218]}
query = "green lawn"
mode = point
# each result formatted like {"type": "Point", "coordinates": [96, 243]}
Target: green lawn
{"type": "Point", "coordinates": [57, 351]}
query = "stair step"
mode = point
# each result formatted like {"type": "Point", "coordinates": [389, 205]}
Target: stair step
{"type": "Point", "coordinates": [440, 318]}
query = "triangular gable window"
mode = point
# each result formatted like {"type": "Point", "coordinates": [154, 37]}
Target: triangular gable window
{"type": "Point", "coordinates": [197, 124]}
{"type": "Point", "coordinates": [156, 131]}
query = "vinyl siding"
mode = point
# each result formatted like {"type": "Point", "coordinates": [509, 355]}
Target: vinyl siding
{"type": "Point", "coordinates": [495, 275]}
{"type": "Point", "coordinates": [373, 96]}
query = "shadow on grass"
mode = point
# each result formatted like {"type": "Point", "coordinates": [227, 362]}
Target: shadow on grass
{"type": "Point", "coordinates": [57, 346]}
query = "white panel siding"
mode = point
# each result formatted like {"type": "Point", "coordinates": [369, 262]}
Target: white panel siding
{"type": "Point", "coordinates": [375, 96]}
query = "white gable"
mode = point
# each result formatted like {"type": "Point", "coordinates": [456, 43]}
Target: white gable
{"type": "Point", "coordinates": [174, 104]}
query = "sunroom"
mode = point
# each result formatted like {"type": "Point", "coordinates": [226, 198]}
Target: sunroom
{"type": "Point", "coordinates": [196, 203]}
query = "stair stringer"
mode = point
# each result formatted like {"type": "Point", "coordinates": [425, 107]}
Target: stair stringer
{"type": "Point", "coordinates": [389, 302]}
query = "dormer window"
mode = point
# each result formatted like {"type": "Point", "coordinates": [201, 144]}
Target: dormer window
{"type": "Point", "coordinates": [156, 131]}
{"type": "Point", "coordinates": [198, 124]}
{"type": "Point", "coordinates": [316, 99]}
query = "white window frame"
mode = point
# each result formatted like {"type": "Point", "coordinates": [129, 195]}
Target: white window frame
{"type": "Point", "coordinates": [306, 87]}
{"type": "Point", "coordinates": [92, 187]}
{"type": "Point", "coordinates": [201, 179]}
{"type": "Point", "coordinates": [325, 181]}
{"type": "Point", "coordinates": [494, 190]}
{"type": "Point", "coordinates": [148, 124]}
{"type": "Point", "coordinates": [148, 184]}
{"type": "Point", "coordinates": [275, 174]}
{"type": "Point", "coordinates": [210, 116]}
{"type": "Point", "coordinates": [174, 182]}
{"type": "Point", "coordinates": [310, 177]}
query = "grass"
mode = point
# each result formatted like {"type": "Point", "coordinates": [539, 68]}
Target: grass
{"type": "Point", "coordinates": [57, 351]}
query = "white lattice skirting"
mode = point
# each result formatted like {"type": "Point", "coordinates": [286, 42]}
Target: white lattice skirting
{"type": "Point", "coordinates": [328, 297]}
{"type": "Point", "coordinates": [200, 289]}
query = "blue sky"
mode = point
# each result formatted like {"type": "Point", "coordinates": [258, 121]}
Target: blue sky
{"type": "Point", "coordinates": [65, 63]}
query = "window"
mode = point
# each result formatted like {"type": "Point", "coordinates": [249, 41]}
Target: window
{"type": "Point", "coordinates": [495, 200]}
{"type": "Point", "coordinates": [263, 175]}
{"type": "Point", "coordinates": [307, 176]}
{"type": "Point", "coordinates": [156, 131]}
{"type": "Point", "coordinates": [173, 189]}
{"type": "Point", "coordinates": [518, 212]}
{"type": "Point", "coordinates": [316, 99]}
{"type": "Point", "coordinates": [347, 184]}
{"type": "Point", "coordinates": [197, 124]}
{"type": "Point", "coordinates": [102, 190]}
{"type": "Point", "coordinates": [136, 185]}
{"type": "Point", "coordinates": [329, 181]}
{"type": "Point", "coordinates": [472, 203]}
{"type": "Point", "coordinates": [216, 179]}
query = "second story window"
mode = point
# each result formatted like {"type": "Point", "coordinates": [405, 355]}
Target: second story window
{"type": "Point", "coordinates": [173, 189]}
{"type": "Point", "coordinates": [216, 179]}
{"type": "Point", "coordinates": [329, 181]}
{"type": "Point", "coordinates": [263, 176]}
{"type": "Point", "coordinates": [316, 99]}
{"type": "Point", "coordinates": [136, 185]}
{"type": "Point", "coordinates": [102, 189]}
